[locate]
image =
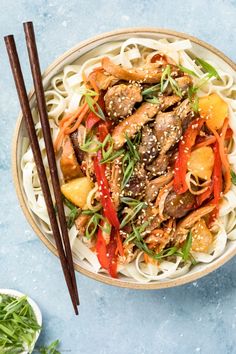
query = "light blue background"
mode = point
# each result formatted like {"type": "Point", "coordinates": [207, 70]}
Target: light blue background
{"type": "Point", "coordinates": [195, 318]}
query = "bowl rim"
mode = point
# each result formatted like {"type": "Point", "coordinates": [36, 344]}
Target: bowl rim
{"type": "Point", "coordinates": [35, 307]}
{"type": "Point", "coordinates": [97, 276]}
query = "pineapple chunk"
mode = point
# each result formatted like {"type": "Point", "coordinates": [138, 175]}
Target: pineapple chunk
{"type": "Point", "coordinates": [77, 190]}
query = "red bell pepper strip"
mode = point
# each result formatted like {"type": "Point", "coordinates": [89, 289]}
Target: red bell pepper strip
{"type": "Point", "coordinates": [111, 251]}
{"type": "Point", "coordinates": [204, 196]}
{"type": "Point", "coordinates": [185, 147]}
{"type": "Point", "coordinates": [91, 120]}
{"type": "Point", "coordinates": [102, 131]}
{"type": "Point", "coordinates": [106, 201]}
{"type": "Point", "coordinates": [229, 134]}
{"type": "Point", "coordinates": [101, 249]}
{"type": "Point", "coordinates": [107, 253]}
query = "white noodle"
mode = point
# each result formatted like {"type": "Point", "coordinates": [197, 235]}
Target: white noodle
{"type": "Point", "coordinates": [64, 95]}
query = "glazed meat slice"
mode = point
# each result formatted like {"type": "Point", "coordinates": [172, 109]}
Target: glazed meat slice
{"type": "Point", "coordinates": [69, 164]}
{"type": "Point", "coordinates": [167, 128]}
{"type": "Point", "coordinates": [120, 100]}
{"type": "Point", "coordinates": [150, 73]}
{"type": "Point", "coordinates": [137, 184]}
{"type": "Point", "coordinates": [168, 101]}
{"type": "Point", "coordinates": [159, 165]}
{"type": "Point", "coordinates": [184, 82]}
{"type": "Point", "coordinates": [153, 186]}
{"type": "Point", "coordinates": [148, 148]}
{"type": "Point", "coordinates": [132, 124]}
{"type": "Point", "coordinates": [185, 112]}
{"type": "Point", "coordinates": [178, 205]}
{"type": "Point", "coordinates": [78, 152]}
{"type": "Point", "coordinates": [102, 79]}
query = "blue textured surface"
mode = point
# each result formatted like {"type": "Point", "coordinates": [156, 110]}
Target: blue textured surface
{"type": "Point", "coordinates": [195, 318]}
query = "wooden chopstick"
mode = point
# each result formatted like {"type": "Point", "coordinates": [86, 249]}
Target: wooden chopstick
{"type": "Point", "coordinates": [36, 73]}
{"type": "Point", "coordinates": [23, 98]}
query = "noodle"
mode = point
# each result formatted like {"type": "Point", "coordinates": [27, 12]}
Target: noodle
{"type": "Point", "coordinates": [63, 97]}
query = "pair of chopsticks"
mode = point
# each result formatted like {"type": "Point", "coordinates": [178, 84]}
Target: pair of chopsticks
{"type": "Point", "coordinates": [60, 233]}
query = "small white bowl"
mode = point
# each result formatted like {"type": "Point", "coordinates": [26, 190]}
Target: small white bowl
{"type": "Point", "coordinates": [36, 310]}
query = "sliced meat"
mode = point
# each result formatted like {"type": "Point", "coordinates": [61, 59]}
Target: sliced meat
{"type": "Point", "coordinates": [120, 100]}
{"type": "Point", "coordinates": [148, 149]}
{"type": "Point", "coordinates": [168, 101]}
{"type": "Point", "coordinates": [150, 73]}
{"type": "Point", "coordinates": [184, 225]}
{"type": "Point", "coordinates": [115, 181]}
{"type": "Point", "coordinates": [153, 186]}
{"type": "Point", "coordinates": [168, 130]}
{"type": "Point", "coordinates": [185, 112]}
{"type": "Point", "coordinates": [69, 164]}
{"type": "Point", "coordinates": [178, 205]}
{"type": "Point", "coordinates": [159, 165]}
{"type": "Point", "coordinates": [102, 79]}
{"type": "Point", "coordinates": [78, 152]}
{"type": "Point", "coordinates": [137, 184]}
{"type": "Point", "coordinates": [184, 82]}
{"type": "Point", "coordinates": [132, 124]}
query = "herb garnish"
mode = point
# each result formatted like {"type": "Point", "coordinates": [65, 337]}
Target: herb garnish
{"type": "Point", "coordinates": [151, 90]}
{"type": "Point", "coordinates": [93, 105]}
{"type": "Point", "coordinates": [51, 349]}
{"type": "Point", "coordinates": [153, 100]}
{"type": "Point", "coordinates": [131, 157]}
{"type": "Point", "coordinates": [233, 177]}
{"type": "Point", "coordinates": [167, 79]}
{"type": "Point", "coordinates": [90, 145]}
{"type": "Point", "coordinates": [74, 213]}
{"type": "Point", "coordinates": [132, 212]}
{"type": "Point", "coordinates": [193, 98]}
{"type": "Point", "coordinates": [208, 68]}
{"type": "Point", "coordinates": [187, 71]}
{"type": "Point", "coordinates": [186, 247]}
{"type": "Point", "coordinates": [18, 325]}
{"type": "Point", "coordinates": [94, 223]}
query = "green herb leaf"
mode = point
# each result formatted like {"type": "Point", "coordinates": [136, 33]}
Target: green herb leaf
{"type": "Point", "coordinates": [90, 145]}
{"type": "Point", "coordinates": [233, 177]}
{"type": "Point", "coordinates": [91, 103]}
{"type": "Point", "coordinates": [74, 212]}
{"type": "Point", "coordinates": [153, 100]}
{"type": "Point", "coordinates": [92, 224]}
{"type": "Point", "coordinates": [208, 68]}
{"type": "Point", "coordinates": [130, 215]}
{"type": "Point", "coordinates": [187, 71]}
{"type": "Point", "coordinates": [51, 349]}
{"type": "Point", "coordinates": [113, 156]}
{"type": "Point", "coordinates": [167, 79]}
{"type": "Point", "coordinates": [193, 98]}
{"type": "Point", "coordinates": [186, 247]}
{"type": "Point", "coordinates": [151, 90]}
{"type": "Point", "coordinates": [18, 325]}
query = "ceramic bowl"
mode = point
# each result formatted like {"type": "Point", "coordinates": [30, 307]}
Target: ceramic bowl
{"type": "Point", "coordinates": [37, 312]}
{"type": "Point", "coordinates": [204, 50]}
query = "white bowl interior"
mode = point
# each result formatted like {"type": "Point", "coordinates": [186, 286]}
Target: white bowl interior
{"type": "Point", "coordinates": [79, 55]}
